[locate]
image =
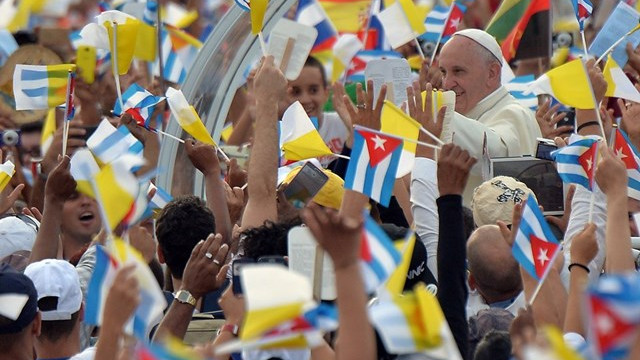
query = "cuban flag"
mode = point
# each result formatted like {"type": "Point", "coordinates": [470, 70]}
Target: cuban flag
{"type": "Point", "coordinates": [535, 246]}
{"type": "Point", "coordinates": [379, 258]}
{"type": "Point", "coordinates": [626, 152]}
{"type": "Point", "coordinates": [355, 72]}
{"type": "Point", "coordinates": [138, 102]}
{"type": "Point", "coordinates": [311, 13]}
{"type": "Point", "coordinates": [518, 86]}
{"type": "Point", "coordinates": [576, 162]}
{"type": "Point", "coordinates": [152, 300]}
{"type": "Point", "coordinates": [614, 303]}
{"type": "Point", "coordinates": [583, 9]}
{"type": "Point", "coordinates": [373, 165]}
{"type": "Point", "coordinates": [442, 22]}
{"type": "Point", "coordinates": [108, 143]}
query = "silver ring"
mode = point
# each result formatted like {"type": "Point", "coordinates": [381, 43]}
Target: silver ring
{"type": "Point", "coordinates": [361, 106]}
{"type": "Point", "coordinates": [216, 261]}
{"type": "Point", "coordinates": [209, 255]}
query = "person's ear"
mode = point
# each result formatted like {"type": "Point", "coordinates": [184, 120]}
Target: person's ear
{"type": "Point", "coordinates": [81, 314]}
{"type": "Point", "coordinates": [160, 255]}
{"type": "Point", "coordinates": [495, 70]}
{"type": "Point", "coordinates": [37, 323]}
{"type": "Point", "coordinates": [472, 281]}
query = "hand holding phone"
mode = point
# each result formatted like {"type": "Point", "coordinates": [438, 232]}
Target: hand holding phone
{"type": "Point", "coordinates": [305, 185]}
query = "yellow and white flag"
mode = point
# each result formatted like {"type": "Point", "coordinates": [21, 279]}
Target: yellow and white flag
{"type": "Point", "coordinates": [299, 139]}
{"type": "Point", "coordinates": [395, 122]}
{"type": "Point", "coordinates": [344, 50]}
{"type": "Point", "coordinates": [618, 84]}
{"type": "Point", "coordinates": [187, 116]}
{"type": "Point", "coordinates": [568, 83]}
{"type": "Point", "coordinates": [83, 168]}
{"type": "Point", "coordinates": [126, 40]}
{"type": "Point", "coordinates": [401, 22]}
{"type": "Point", "coordinates": [6, 173]}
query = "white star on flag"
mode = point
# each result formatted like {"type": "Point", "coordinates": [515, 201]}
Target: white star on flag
{"type": "Point", "coordinates": [542, 256]}
{"type": "Point", "coordinates": [379, 142]}
{"type": "Point", "coordinates": [589, 162]}
{"type": "Point", "coordinates": [620, 155]}
{"type": "Point", "coordinates": [454, 23]}
{"type": "Point", "coordinates": [604, 323]}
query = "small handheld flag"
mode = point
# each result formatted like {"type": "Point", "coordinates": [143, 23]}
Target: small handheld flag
{"type": "Point", "coordinates": [373, 165]}
{"type": "Point", "coordinates": [576, 162]}
{"type": "Point", "coordinates": [625, 151]}
{"type": "Point", "coordinates": [40, 86]}
{"type": "Point", "coordinates": [187, 116]}
{"type": "Point", "coordinates": [535, 246]}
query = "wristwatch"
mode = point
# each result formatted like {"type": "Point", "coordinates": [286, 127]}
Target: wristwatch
{"type": "Point", "coordinates": [231, 328]}
{"type": "Point", "coordinates": [185, 297]}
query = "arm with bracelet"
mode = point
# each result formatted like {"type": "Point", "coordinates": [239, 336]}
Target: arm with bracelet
{"type": "Point", "coordinates": [583, 251]}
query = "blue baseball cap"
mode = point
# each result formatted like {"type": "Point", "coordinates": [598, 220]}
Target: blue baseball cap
{"type": "Point", "coordinates": [18, 300]}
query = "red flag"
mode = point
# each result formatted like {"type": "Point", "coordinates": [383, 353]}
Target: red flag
{"type": "Point", "coordinates": [534, 25]}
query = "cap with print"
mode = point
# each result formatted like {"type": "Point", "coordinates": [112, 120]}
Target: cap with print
{"type": "Point", "coordinates": [18, 300]}
{"type": "Point", "coordinates": [494, 200]}
{"type": "Point", "coordinates": [56, 279]}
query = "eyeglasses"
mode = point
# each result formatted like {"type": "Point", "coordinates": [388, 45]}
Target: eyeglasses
{"type": "Point", "coordinates": [25, 219]}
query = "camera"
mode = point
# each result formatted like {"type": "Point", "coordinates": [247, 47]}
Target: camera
{"type": "Point", "coordinates": [10, 138]}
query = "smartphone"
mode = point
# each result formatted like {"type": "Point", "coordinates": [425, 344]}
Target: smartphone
{"type": "Point", "coordinates": [236, 265]}
{"type": "Point", "coordinates": [274, 259]}
{"type": "Point", "coordinates": [86, 62]}
{"type": "Point", "coordinates": [569, 119]}
{"type": "Point", "coordinates": [305, 185]}
{"type": "Point", "coordinates": [545, 147]}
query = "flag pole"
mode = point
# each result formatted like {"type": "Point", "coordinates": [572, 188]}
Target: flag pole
{"type": "Point", "coordinates": [433, 137]}
{"type": "Point", "coordinates": [417, 142]}
{"type": "Point", "coordinates": [68, 112]}
{"type": "Point", "coordinates": [114, 61]}
{"type": "Point", "coordinates": [263, 45]}
{"type": "Point", "coordinates": [595, 103]}
{"type": "Point", "coordinates": [415, 40]}
{"type": "Point", "coordinates": [584, 44]}
{"type": "Point", "coordinates": [592, 201]}
{"type": "Point", "coordinates": [160, 59]}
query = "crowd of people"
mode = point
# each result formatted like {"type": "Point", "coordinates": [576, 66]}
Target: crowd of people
{"type": "Point", "coordinates": [51, 232]}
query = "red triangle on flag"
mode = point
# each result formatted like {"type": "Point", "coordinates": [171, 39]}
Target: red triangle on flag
{"type": "Point", "coordinates": [543, 252]}
{"type": "Point", "coordinates": [454, 20]}
{"type": "Point", "coordinates": [587, 161]}
{"type": "Point", "coordinates": [365, 250]}
{"type": "Point", "coordinates": [623, 151]}
{"type": "Point", "coordinates": [357, 65]}
{"type": "Point", "coordinates": [379, 146]}
{"type": "Point", "coordinates": [608, 325]}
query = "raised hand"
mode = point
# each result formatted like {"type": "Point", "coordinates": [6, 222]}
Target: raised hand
{"type": "Point", "coordinates": [611, 173]}
{"type": "Point", "coordinates": [365, 113]}
{"type": "Point", "coordinates": [422, 112]}
{"type": "Point", "coordinates": [203, 157]}
{"type": "Point", "coordinates": [339, 236]}
{"type": "Point", "coordinates": [548, 117]}
{"type": "Point", "coordinates": [60, 184]}
{"type": "Point", "coordinates": [584, 246]}
{"type": "Point", "coordinates": [430, 75]}
{"type": "Point", "coordinates": [454, 165]}
{"type": "Point", "coordinates": [206, 269]}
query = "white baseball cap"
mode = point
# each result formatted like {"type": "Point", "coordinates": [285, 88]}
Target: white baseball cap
{"type": "Point", "coordinates": [483, 39]}
{"type": "Point", "coordinates": [59, 279]}
{"type": "Point", "coordinates": [17, 232]}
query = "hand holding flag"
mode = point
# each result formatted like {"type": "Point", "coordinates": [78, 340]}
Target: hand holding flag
{"type": "Point", "coordinates": [611, 172]}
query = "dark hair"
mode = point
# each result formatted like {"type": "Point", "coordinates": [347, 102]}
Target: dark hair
{"type": "Point", "coordinates": [496, 345]}
{"type": "Point", "coordinates": [183, 222]}
{"type": "Point", "coordinates": [55, 330]}
{"type": "Point", "coordinates": [268, 239]}
{"type": "Point", "coordinates": [313, 62]}
{"type": "Point", "coordinates": [468, 223]}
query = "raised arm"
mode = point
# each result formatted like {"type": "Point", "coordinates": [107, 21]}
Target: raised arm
{"type": "Point", "coordinates": [269, 87]}
{"type": "Point", "coordinates": [584, 249]}
{"type": "Point", "coordinates": [454, 165]}
{"type": "Point", "coordinates": [340, 238]}
{"type": "Point", "coordinates": [59, 187]}
{"type": "Point", "coordinates": [611, 175]}
{"type": "Point", "coordinates": [205, 159]}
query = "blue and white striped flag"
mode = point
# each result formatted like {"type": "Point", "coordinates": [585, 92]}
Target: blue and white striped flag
{"type": "Point", "coordinates": [629, 155]}
{"type": "Point", "coordinates": [108, 143]}
{"type": "Point", "coordinates": [443, 21]}
{"type": "Point", "coordinates": [535, 246]}
{"type": "Point", "coordinates": [174, 69]}
{"type": "Point", "coordinates": [150, 14]}
{"type": "Point", "coordinates": [373, 165]}
{"type": "Point", "coordinates": [518, 86]}
{"type": "Point", "coordinates": [378, 257]}
{"type": "Point", "coordinates": [138, 102]}
{"type": "Point", "coordinates": [244, 4]}
{"type": "Point", "coordinates": [576, 162]}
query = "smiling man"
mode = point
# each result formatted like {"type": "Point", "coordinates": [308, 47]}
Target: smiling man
{"type": "Point", "coordinates": [471, 65]}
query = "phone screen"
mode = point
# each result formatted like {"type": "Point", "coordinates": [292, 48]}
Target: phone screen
{"type": "Point", "coordinates": [236, 265]}
{"type": "Point", "coordinates": [544, 151]}
{"type": "Point", "coordinates": [305, 185]}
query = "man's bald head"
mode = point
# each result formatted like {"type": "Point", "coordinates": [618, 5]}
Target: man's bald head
{"type": "Point", "coordinates": [491, 264]}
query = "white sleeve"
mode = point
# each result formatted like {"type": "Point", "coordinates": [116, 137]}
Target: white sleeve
{"type": "Point", "coordinates": [580, 207]}
{"type": "Point", "coordinates": [424, 192]}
